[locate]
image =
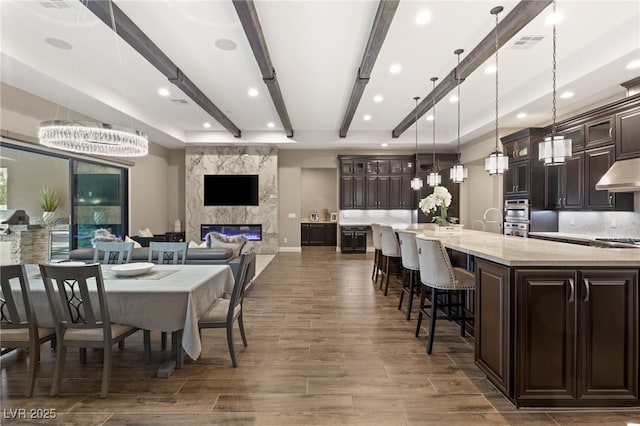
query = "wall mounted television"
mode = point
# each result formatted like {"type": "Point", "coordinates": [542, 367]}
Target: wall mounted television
{"type": "Point", "coordinates": [230, 190]}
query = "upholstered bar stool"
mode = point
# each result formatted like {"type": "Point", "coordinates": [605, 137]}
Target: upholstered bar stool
{"type": "Point", "coordinates": [409, 252]}
{"type": "Point", "coordinates": [390, 250]}
{"type": "Point", "coordinates": [437, 274]}
{"type": "Point", "coordinates": [377, 257]}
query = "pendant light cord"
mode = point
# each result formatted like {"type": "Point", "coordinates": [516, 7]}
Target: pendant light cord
{"type": "Point", "coordinates": [458, 52]}
{"type": "Point", "coordinates": [553, 127]}
{"type": "Point", "coordinates": [497, 48]}
{"type": "Point", "coordinates": [416, 116]}
{"type": "Point", "coordinates": [433, 107]}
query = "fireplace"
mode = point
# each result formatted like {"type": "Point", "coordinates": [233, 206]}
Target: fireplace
{"type": "Point", "coordinates": [252, 232]}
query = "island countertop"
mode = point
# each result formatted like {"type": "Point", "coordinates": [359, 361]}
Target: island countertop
{"type": "Point", "coordinates": [527, 252]}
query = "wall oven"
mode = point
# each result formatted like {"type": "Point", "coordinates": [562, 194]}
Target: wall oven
{"type": "Point", "coordinates": [516, 217]}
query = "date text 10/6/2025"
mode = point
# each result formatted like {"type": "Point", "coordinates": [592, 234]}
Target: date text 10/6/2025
{"type": "Point", "coordinates": [29, 413]}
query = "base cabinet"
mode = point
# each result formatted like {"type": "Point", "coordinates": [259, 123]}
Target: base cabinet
{"type": "Point", "coordinates": [318, 234]}
{"type": "Point", "coordinates": [353, 239]}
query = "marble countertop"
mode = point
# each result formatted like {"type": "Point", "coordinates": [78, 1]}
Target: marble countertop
{"type": "Point", "coordinates": [570, 236]}
{"type": "Point", "coordinates": [317, 221]}
{"type": "Point", "coordinates": [516, 251]}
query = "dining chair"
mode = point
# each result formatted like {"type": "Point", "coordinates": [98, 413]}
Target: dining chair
{"type": "Point", "coordinates": [390, 250]}
{"type": "Point", "coordinates": [377, 256]}
{"type": "Point", "coordinates": [409, 255]}
{"type": "Point", "coordinates": [112, 252]}
{"type": "Point", "coordinates": [19, 326]}
{"type": "Point", "coordinates": [163, 253]}
{"type": "Point", "coordinates": [80, 321]}
{"type": "Point", "coordinates": [223, 313]}
{"type": "Point", "coordinates": [437, 273]}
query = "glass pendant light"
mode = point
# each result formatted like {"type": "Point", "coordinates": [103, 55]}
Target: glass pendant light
{"type": "Point", "coordinates": [416, 182]}
{"type": "Point", "coordinates": [434, 179]}
{"type": "Point", "coordinates": [458, 173]}
{"type": "Point", "coordinates": [555, 149]}
{"type": "Point", "coordinates": [496, 163]}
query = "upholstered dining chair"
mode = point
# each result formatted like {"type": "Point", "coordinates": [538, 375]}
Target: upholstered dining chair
{"type": "Point", "coordinates": [112, 252]}
{"type": "Point", "coordinates": [223, 313]}
{"type": "Point", "coordinates": [163, 253]}
{"type": "Point", "coordinates": [80, 321]}
{"type": "Point", "coordinates": [437, 274]}
{"type": "Point", "coordinates": [390, 250]}
{"type": "Point", "coordinates": [377, 255]}
{"type": "Point", "coordinates": [19, 327]}
{"type": "Point", "coordinates": [409, 253]}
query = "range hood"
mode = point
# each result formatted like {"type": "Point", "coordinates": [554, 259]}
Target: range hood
{"type": "Point", "coordinates": [622, 176]}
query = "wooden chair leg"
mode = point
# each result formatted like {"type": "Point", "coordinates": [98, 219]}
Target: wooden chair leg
{"type": "Point", "coordinates": [463, 297]}
{"type": "Point", "coordinates": [412, 277]}
{"type": "Point", "coordinates": [380, 261]}
{"type": "Point", "coordinates": [57, 375]}
{"type": "Point", "coordinates": [230, 343]}
{"type": "Point", "coordinates": [106, 370]}
{"type": "Point", "coordinates": [423, 296]}
{"type": "Point", "coordinates": [147, 346]}
{"type": "Point", "coordinates": [432, 324]}
{"type": "Point", "coordinates": [83, 355]}
{"type": "Point", "coordinates": [34, 351]}
{"type": "Point", "coordinates": [241, 326]}
{"type": "Point", "coordinates": [375, 263]}
{"type": "Point", "coordinates": [386, 273]}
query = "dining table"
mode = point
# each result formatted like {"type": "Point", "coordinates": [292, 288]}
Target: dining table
{"type": "Point", "coordinates": [168, 298]}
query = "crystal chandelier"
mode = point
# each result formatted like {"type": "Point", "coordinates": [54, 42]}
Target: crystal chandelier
{"type": "Point", "coordinates": [496, 163]}
{"type": "Point", "coordinates": [555, 149]}
{"type": "Point", "coordinates": [458, 173]}
{"type": "Point", "coordinates": [416, 182]}
{"type": "Point", "coordinates": [434, 179]}
{"type": "Point", "coordinates": [94, 138]}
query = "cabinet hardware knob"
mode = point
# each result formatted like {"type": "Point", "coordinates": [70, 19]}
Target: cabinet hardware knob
{"type": "Point", "coordinates": [573, 290]}
{"type": "Point", "coordinates": [587, 286]}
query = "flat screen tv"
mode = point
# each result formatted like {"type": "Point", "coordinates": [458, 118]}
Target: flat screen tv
{"type": "Point", "coordinates": [230, 190]}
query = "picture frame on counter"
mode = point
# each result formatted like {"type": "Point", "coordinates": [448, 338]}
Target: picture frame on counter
{"type": "Point", "coordinates": [334, 217]}
{"type": "Point", "coordinates": [313, 217]}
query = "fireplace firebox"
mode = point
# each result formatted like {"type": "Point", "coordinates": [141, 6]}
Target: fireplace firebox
{"type": "Point", "coordinates": [252, 232]}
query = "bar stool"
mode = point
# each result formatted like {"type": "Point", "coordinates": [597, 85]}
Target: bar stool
{"type": "Point", "coordinates": [377, 256]}
{"type": "Point", "coordinates": [437, 273]}
{"type": "Point", "coordinates": [390, 250]}
{"type": "Point", "coordinates": [409, 252]}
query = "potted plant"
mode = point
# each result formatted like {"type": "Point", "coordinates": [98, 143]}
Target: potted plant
{"type": "Point", "coordinates": [49, 203]}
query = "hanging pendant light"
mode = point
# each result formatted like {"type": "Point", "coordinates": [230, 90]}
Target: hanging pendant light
{"type": "Point", "coordinates": [416, 182]}
{"type": "Point", "coordinates": [555, 149]}
{"type": "Point", "coordinates": [496, 163]}
{"type": "Point", "coordinates": [434, 178]}
{"type": "Point", "coordinates": [94, 138]}
{"type": "Point", "coordinates": [458, 173]}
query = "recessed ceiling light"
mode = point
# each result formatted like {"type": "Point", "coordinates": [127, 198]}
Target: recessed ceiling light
{"type": "Point", "coordinates": [60, 44]}
{"type": "Point", "coordinates": [206, 125]}
{"type": "Point", "coordinates": [554, 18]}
{"type": "Point", "coordinates": [271, 125]}
{"type": "Point", "coordinates": [163, 92]}
{"type": "Point", "coordinates": [253, 92]}
{"type": "Point", "coordinates": [423, 18]}
{"type": "Point", "coordinates": [633, 64]}
{"type": "Point", "coordinates": [378, 98]}
{"type": "Point", "coordinates": [566, 95]}
{"type": "Point", "coordinates": [225, 44]}
{"type": "Point", "coordinates": [429, 117]}
{"type": "Point", "coordinates": [384, 144]}
{"type": "Point", "coordinates": [491, 69]}
{"type": "Point", "coordinates": [521, 115]}
{"type": "Point", "coordinates": [395, 69]}
{"type": "Point", "coordinates": [366, 117]}
{"type": "Point", "coordinates": [453, 99]}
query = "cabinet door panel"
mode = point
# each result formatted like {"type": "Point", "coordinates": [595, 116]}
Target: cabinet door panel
{"type": "Point", "coordinates": [383, 192]}
{"type": "Point", "coordinates": [372, 192]}
{"type": "Point", "coordinates": [395, 192]}
{"type": "Point", "coordinates": [545, 348]}
{"type": "Point", "coordinates": [522, 182]}
{"type": "Point", "coordinates": [609, 334]}
{"type": "Point", "coordinates": [346, 192]}
{"type": "Point", "coordinates": [628, 134]}
{"type": "Point", "coordinates": [573, 178]}
{"type": "Point", "coordinates": [358, 192]}
{"type": "Point", "coordinates": [597, 162]}
{"type": "Point", "coordinates": [316, 234]}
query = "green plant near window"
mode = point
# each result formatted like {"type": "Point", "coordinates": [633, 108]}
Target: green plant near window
{"type": "Point", "coordinates": [48, 199]}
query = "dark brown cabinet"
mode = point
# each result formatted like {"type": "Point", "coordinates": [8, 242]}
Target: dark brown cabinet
{"type": "Point", "coordinates": [599, 132]}
{"type": "Point", "coordinates": [564, 184]}
{"type": "Point", "coordinates": [401, 196]}
{"type": "Point", "coordinates": [525, 171]}
{"type": "Point", "coordinates": [596, 163]}
{"type": "Point", "coordinates": [353, 239]}
{"type": "Point", "coordinates": [352, 192]}
{"type": "Point", "coordinates": [318, 234]}
{"type": "Point", "coordinates": [628, 134]}
{"type": "Point", "coordinates": [516, 180]}
{"type": "Point", "coordinates": [577, 337]}
{"type": "Point", "coordinates": [377, 192]}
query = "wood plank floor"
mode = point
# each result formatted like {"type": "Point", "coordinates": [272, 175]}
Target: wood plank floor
{"type": "Point", "coordinates": [326, 347]}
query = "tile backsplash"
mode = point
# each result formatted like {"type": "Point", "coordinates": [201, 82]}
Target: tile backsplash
{"type": "Point", "coordinates": [605, 224]}
{"type": "Point", "coordinates": [362, 217]}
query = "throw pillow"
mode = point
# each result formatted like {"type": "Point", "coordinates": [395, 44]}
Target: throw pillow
{"type": "Point", "coordinates": [236, 243]}
{"type": "Point", "coordinates": [129, 240]}
{"type": "Point", "coordinates": [146, 232]}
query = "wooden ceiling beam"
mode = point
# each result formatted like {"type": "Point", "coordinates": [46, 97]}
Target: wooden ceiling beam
{"type": "Point", "coordinates": [123, 26]}
{"type": "Point", "coordinates": [381, 24]}
{"type": "Point", "coordinates": [523, 13]}
{"type": "Point", "coordinates": [248, 15]}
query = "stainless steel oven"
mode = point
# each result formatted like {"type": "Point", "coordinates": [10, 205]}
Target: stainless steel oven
{"type": "Point", "coordinates": [516, 218]}
{"type": "Point", "coordinates": [516, 229]}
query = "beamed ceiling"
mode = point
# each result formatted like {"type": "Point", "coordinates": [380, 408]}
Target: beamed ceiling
{"type": "Point", "coordinates": [316, 66]}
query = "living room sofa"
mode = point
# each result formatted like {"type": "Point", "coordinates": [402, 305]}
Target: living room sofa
{"type": "Point", "coordinates": [195, 256]}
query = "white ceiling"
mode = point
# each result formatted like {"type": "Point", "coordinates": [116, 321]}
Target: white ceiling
{"type": "Point", "coordinates": [316, 48]}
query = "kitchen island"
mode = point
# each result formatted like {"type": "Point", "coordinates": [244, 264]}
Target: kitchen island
{"type": "Point", "coordinates": [556, 324]}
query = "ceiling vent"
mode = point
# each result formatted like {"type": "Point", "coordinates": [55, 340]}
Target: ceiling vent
{"type": "Point", "coordinates": [526, 42]}
{"type": "Point", "coordinates": [54, 4]}
{"type": "Point", "coordinates": [179, 101]}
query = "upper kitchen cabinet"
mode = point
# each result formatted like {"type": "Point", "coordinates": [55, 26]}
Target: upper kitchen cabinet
{"type": "Point", "coordinates": [628, 134]}
{"type": "Point", "coordinates": [599, 132]}
{"type": "Point", "coordinates": [596, 163]}
{"type": "Point", "coordinates": [524, 168]}
{"type": "Point", "coordinates": [564, 185]}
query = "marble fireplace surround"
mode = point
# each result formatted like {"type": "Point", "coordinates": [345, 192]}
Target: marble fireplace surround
{"type": "Point", "coordinates": [262, 161]}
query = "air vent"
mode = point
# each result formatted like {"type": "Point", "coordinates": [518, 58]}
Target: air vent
{"type": "Point", "coordinates": [54, 4]}
{"type": "Point", "coordinates": [179, 101]}
{"type": "Point", "coordinates": [526, 42]}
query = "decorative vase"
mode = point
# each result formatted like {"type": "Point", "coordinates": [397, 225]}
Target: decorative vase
{"type": "Point", "coordinates": [98, 217]}
{"type": "Point", "coordinates": [48, 217]}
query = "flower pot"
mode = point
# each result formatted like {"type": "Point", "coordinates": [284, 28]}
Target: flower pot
{"type": "Point", "coordinates": [48, 217]}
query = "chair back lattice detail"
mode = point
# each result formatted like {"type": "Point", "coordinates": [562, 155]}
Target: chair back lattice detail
{"type": "Point", "coordinates": [112, 252]}
{"type": "Point", "coordinates": [408, 250]}
{"type": "Point", "coordinates": [168, 252]}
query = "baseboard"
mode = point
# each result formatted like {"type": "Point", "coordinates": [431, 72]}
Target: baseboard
{"type": "Point", "coordinates": [290, 249]}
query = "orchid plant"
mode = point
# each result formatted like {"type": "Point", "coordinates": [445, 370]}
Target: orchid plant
{"type": "Point", "coordinates": [440, 198]}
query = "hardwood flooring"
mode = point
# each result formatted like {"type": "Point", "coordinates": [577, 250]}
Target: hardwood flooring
{"type": "Point", "coordinates": [326, 347]}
